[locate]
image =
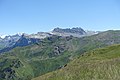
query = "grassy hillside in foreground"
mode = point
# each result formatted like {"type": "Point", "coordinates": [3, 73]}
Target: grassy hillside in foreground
{"type": "Point", "coordinates": [99, 64]}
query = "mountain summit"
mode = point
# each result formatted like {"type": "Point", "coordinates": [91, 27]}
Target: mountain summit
{"type": "Point", "coordinates": [76, 32]}
{"type": "Point", "coordinates": [68, 30]}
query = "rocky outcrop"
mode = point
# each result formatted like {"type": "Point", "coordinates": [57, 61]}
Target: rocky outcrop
{"type": "Point", "coordinates": [9, 73]}
{"type": "Point", "coordinates": [76, 32]}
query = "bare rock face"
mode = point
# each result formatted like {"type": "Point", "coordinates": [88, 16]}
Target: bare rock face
{"type": "Point", "coordinates": [59, 49]}
{"type": "Point", "coordinates": [76, 32]}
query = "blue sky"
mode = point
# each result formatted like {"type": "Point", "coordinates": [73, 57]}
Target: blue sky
{"type": "Point", "coordinates": [32, 16]}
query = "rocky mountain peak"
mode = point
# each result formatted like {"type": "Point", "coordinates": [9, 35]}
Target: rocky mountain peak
{"type": "Point", "coordinates": [76, 30]}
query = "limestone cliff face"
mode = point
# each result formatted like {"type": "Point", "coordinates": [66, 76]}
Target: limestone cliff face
{"type": "Point", "coordinates": [76, 32]}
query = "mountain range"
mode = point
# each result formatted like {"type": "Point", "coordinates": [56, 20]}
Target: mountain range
{"type": "Point", "coordinates": [18, 40]}
{"type": "Point", "coordinates": [51, 55]}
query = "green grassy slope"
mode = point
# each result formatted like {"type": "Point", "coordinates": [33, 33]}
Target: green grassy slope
{"type": "Point", "coordinates": [99, 64]}
{"type": "Point", "coordinates": [50, 54]}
